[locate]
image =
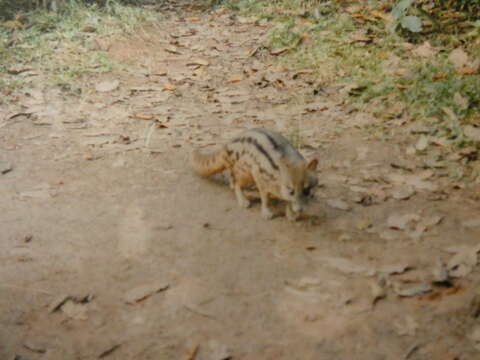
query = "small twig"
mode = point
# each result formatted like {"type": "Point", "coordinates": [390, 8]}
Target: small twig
{"type": "Point", "coordinates": [208, 316]}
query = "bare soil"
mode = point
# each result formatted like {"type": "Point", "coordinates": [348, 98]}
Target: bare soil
{"type": "Point", "coordinates": [100, 201]}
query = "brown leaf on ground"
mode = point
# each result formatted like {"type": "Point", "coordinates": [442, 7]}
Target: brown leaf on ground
{"type": "Point", "coordinates": [142, 116]}
{"type": "Point", "coordinates": [201, 62]}
{"type": "Point", "coordinates": [107, 86]}
{"type": "Point", "coordinates": [172, 50]}
{"type": "Point", "coordinates": [401, 222]}
{"type": "Point", "coordinates": [360, 36]}
{"type": "Point", "coordinates": [381, 15]}
{"type": "Point", "coordinates": [464, 260]}
{"type": "Point", "coordinates": [406, 326]}
{"type": "Point", "coordinates": [459, 58]}
{"type": "Point", "coordinates": [109, 350]}
{"type": "Point", "coordinates": [338, 204]}
{"type": "Point", "coordinates": [472, 132]}
{"type": "Point", "coordinates": [378, 289]}
{"type": "Point", "coordinates": [170, 86]}
{"type": "Point", "coordinates": [235, 78]}
{"type": "Point", "coordinates": [403, 192]}
{"type": "Point", "coordinates": [142, 292]}
{"type": "Point", "coordinates": [74, 310]}
{"type": "Point", "coordinates": [15, 70]}
{"type": "Point", "coordinates": [279, 51]}
{"type": "Point", "coordinates": [159, 73]}
{"type": "Point", "coordinates": [412, 290]}
{"type": "Point", "coordinates": [345, 265]}
{"type": "Point", "coordinates": [425, 50]}
{"type": "Point", "coordinates": [466, 70]}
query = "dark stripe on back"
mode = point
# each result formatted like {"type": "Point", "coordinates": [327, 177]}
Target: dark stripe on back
{"type": "Point", "coordinates": [259, 147]}
{"type": "Point", "coordinates": [270, 139]}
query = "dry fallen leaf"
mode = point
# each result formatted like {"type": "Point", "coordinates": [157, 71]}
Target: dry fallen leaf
{"type": "Point", "coordinates": [235, 78]}
{"type": "Point", "coordinates": [110, 349]}
{"type": "Point", "coordinates": [412, 290]}
{"type": "Point", "coordinates": [58, 302]}
{"type": "Point", "coordinates": [338, 204]}
{"type": "Point", "coordinates": [440, 272]}
{"type": "Point", "coordinates": [406, 326]}
{"type": "Point", "coordinates": [142, 116]}
{"type": "Point", "coordinates": [170, 86]}
{"type": "Point", "coordinates": [403, 192]}
{"type": "Point", "coordinates": [142, 292]}
{"type": "Point", "coordinates": [159, 73]}
{"type": "Point", "coordinates": [464, 260]}
{"type": "Point", "coordinates": [381, 15]}
{"type": "Point", "coordinates": [279, 51]}
{"type": "Point", "coordinates": [5, 167]}
{"type": "Point", "coordinates": [75, 310]}
{"type": "Point", "coordinates": [201, 62]}
{"type": "Point", "coordinates": [360, 36]}
{"type": "Point", "coordinates": [472, 132]}
{"type": "Point", "coordinates": [395, 269]}
{"type": "Point", "coordinates": [401, 222]}
{"type": "Point", "coordinates": [474, 222]}
{"type": "Point", "coordinates": [15, 70]}
{"type": "Point", "coordinates": [345, 265]}
{"type": "Point", "coordinates": [218, 351]}
{"type": "Point", "coordinates": [422, 143]}
{"type": "Point", "coordinates": [424, 50]}
{"type": "Point", "coordinates": [466, 70]}
{"type": "Point", "coordinates": [172, 50]}
{"type": "Point", "coordinates": [458, 58]}
{"type": "Point", "coordinates": [107, 86]}
{"type": "Point", "coordinates": [378, 288]}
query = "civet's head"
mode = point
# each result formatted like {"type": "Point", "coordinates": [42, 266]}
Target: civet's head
{"type": "Point", "coordinates": [298, 183]}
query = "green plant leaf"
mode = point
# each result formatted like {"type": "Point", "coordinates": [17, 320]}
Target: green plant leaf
{"type": "Point", "coordinates": [399, 9]}
{"type": "Point", "coordinates": [412, 23]}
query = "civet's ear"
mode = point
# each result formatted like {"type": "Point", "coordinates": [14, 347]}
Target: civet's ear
{"type": "Point", "coordinates": [312, 164]}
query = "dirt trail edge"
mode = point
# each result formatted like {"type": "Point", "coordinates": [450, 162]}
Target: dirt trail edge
{"type": "Point", "coordinates": [111, 247]}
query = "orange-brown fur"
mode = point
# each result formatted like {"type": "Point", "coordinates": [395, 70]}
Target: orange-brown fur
{"type": "Point", "coordinates": [267, 160]}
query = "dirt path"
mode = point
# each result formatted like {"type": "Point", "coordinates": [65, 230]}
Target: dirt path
{"type": "Point", "coordinates": [100, 201]}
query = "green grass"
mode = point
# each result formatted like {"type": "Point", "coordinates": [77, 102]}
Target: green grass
{"type": "Point", "coordinates": [427, 86]}
{"type": "Point", "coordinates": [56, 44]}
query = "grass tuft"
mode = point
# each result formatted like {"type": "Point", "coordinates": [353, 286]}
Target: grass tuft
{"type": "Point", "coordinates": [61, 44]}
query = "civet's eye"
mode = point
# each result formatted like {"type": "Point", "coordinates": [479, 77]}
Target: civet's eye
{"type": "Point", "coordinates": [306, 191]}
{"type": "Point", "coordinates": [291, 191]}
